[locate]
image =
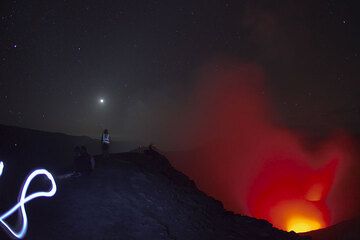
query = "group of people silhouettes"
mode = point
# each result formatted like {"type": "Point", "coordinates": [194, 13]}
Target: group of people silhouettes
{"type": "Point", "coordinates": [84, 163]}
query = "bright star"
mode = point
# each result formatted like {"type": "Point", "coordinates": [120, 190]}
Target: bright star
{"type": "Point", "coordinates": [101, 100]}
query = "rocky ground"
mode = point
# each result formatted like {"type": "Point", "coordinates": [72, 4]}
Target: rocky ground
{"type": "Point", "coordinates": [139, 196]}
{"type": "Point", "coordinates": [347, 230]}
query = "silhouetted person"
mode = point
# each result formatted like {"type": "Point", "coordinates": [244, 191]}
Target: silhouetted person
{"type": "Point", "coordinates": [85, 161]}
{"type": "Point", "coordinates": [105, 144]}
{"type": "Point", "coordinates": [151, 151]}
{"type": "Point", "coordinates": [77, 155]}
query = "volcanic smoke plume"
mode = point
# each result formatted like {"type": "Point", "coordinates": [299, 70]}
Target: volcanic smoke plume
{"type": "Point", "coordinates": [257, 167]}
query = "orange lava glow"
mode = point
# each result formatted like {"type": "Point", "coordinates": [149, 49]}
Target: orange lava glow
{"type": "Point", "coordinates": [292, 196]}
{"type": "Point", "coordinates": [301, 224]}
{"type": "Point", "coordinates": [297, 215]}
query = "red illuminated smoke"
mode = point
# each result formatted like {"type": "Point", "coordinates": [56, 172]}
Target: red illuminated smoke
{"type": "Point", "coordinates": [253, 165]}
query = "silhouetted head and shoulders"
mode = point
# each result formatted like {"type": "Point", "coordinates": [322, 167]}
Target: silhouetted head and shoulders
{"type": "Point", "coordinates": [83, 163]}
{"type": "Point", "coordinates": [77, 152]}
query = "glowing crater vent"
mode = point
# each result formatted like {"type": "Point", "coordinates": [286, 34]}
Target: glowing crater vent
{"type": "Point", "coordinates": [297, 215]}
{"type": "Point", "coordinates": [292, 195]}
{"type": "Point", "coordinates": [301, 224]}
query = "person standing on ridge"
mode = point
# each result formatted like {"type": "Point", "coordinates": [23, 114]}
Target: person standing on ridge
{"type": "Point", "coordinates": [105, 144]}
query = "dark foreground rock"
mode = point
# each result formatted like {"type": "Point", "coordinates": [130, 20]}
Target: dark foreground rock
{"type": "Point", "coordinates": [139, 196]}
{"type": "Point", "coordinates": [347, 230]}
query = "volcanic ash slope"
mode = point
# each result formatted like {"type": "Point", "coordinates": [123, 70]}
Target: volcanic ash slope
{"type": "Point", "coordinates": [139, 196]}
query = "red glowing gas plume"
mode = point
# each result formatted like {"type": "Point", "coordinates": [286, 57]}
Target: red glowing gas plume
{"type": "Point", "coordinates": [253, 165]}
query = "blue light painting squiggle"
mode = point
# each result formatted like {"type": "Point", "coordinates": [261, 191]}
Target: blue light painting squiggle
{"type": "Point", "coordinates": [1, 168]}
{"type": "Point", "coordinates": [23, 199]}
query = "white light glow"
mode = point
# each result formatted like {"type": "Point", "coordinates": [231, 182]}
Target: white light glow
{"type": "Point", "coordinates": [23, 199]}
{"type": "Point", "coordinates": [1, 167]}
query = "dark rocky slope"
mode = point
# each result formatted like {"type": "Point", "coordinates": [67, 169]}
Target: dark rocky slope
{"type": "Point", "coordinates": [23, 150]}
{"type": "Point", "coordinates": [140, 196]}
{"type": "Point", "coordinates": [135, 196]}
{"type": "Point", "coordinates": [347, 230]}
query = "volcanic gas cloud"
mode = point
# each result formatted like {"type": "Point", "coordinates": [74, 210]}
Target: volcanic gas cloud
{"type": "Point", "coordinates": [257, 167]}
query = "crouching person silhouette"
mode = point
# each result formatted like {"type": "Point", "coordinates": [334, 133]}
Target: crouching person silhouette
{"type": "Point", "coordinates": [84, 163]}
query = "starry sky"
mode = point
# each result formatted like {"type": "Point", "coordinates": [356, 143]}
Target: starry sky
{"type": "Point", "coordinates": [80, 66]}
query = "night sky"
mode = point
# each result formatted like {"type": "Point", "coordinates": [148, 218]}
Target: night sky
{"type": "Point", "coordinates": [58, 59]}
